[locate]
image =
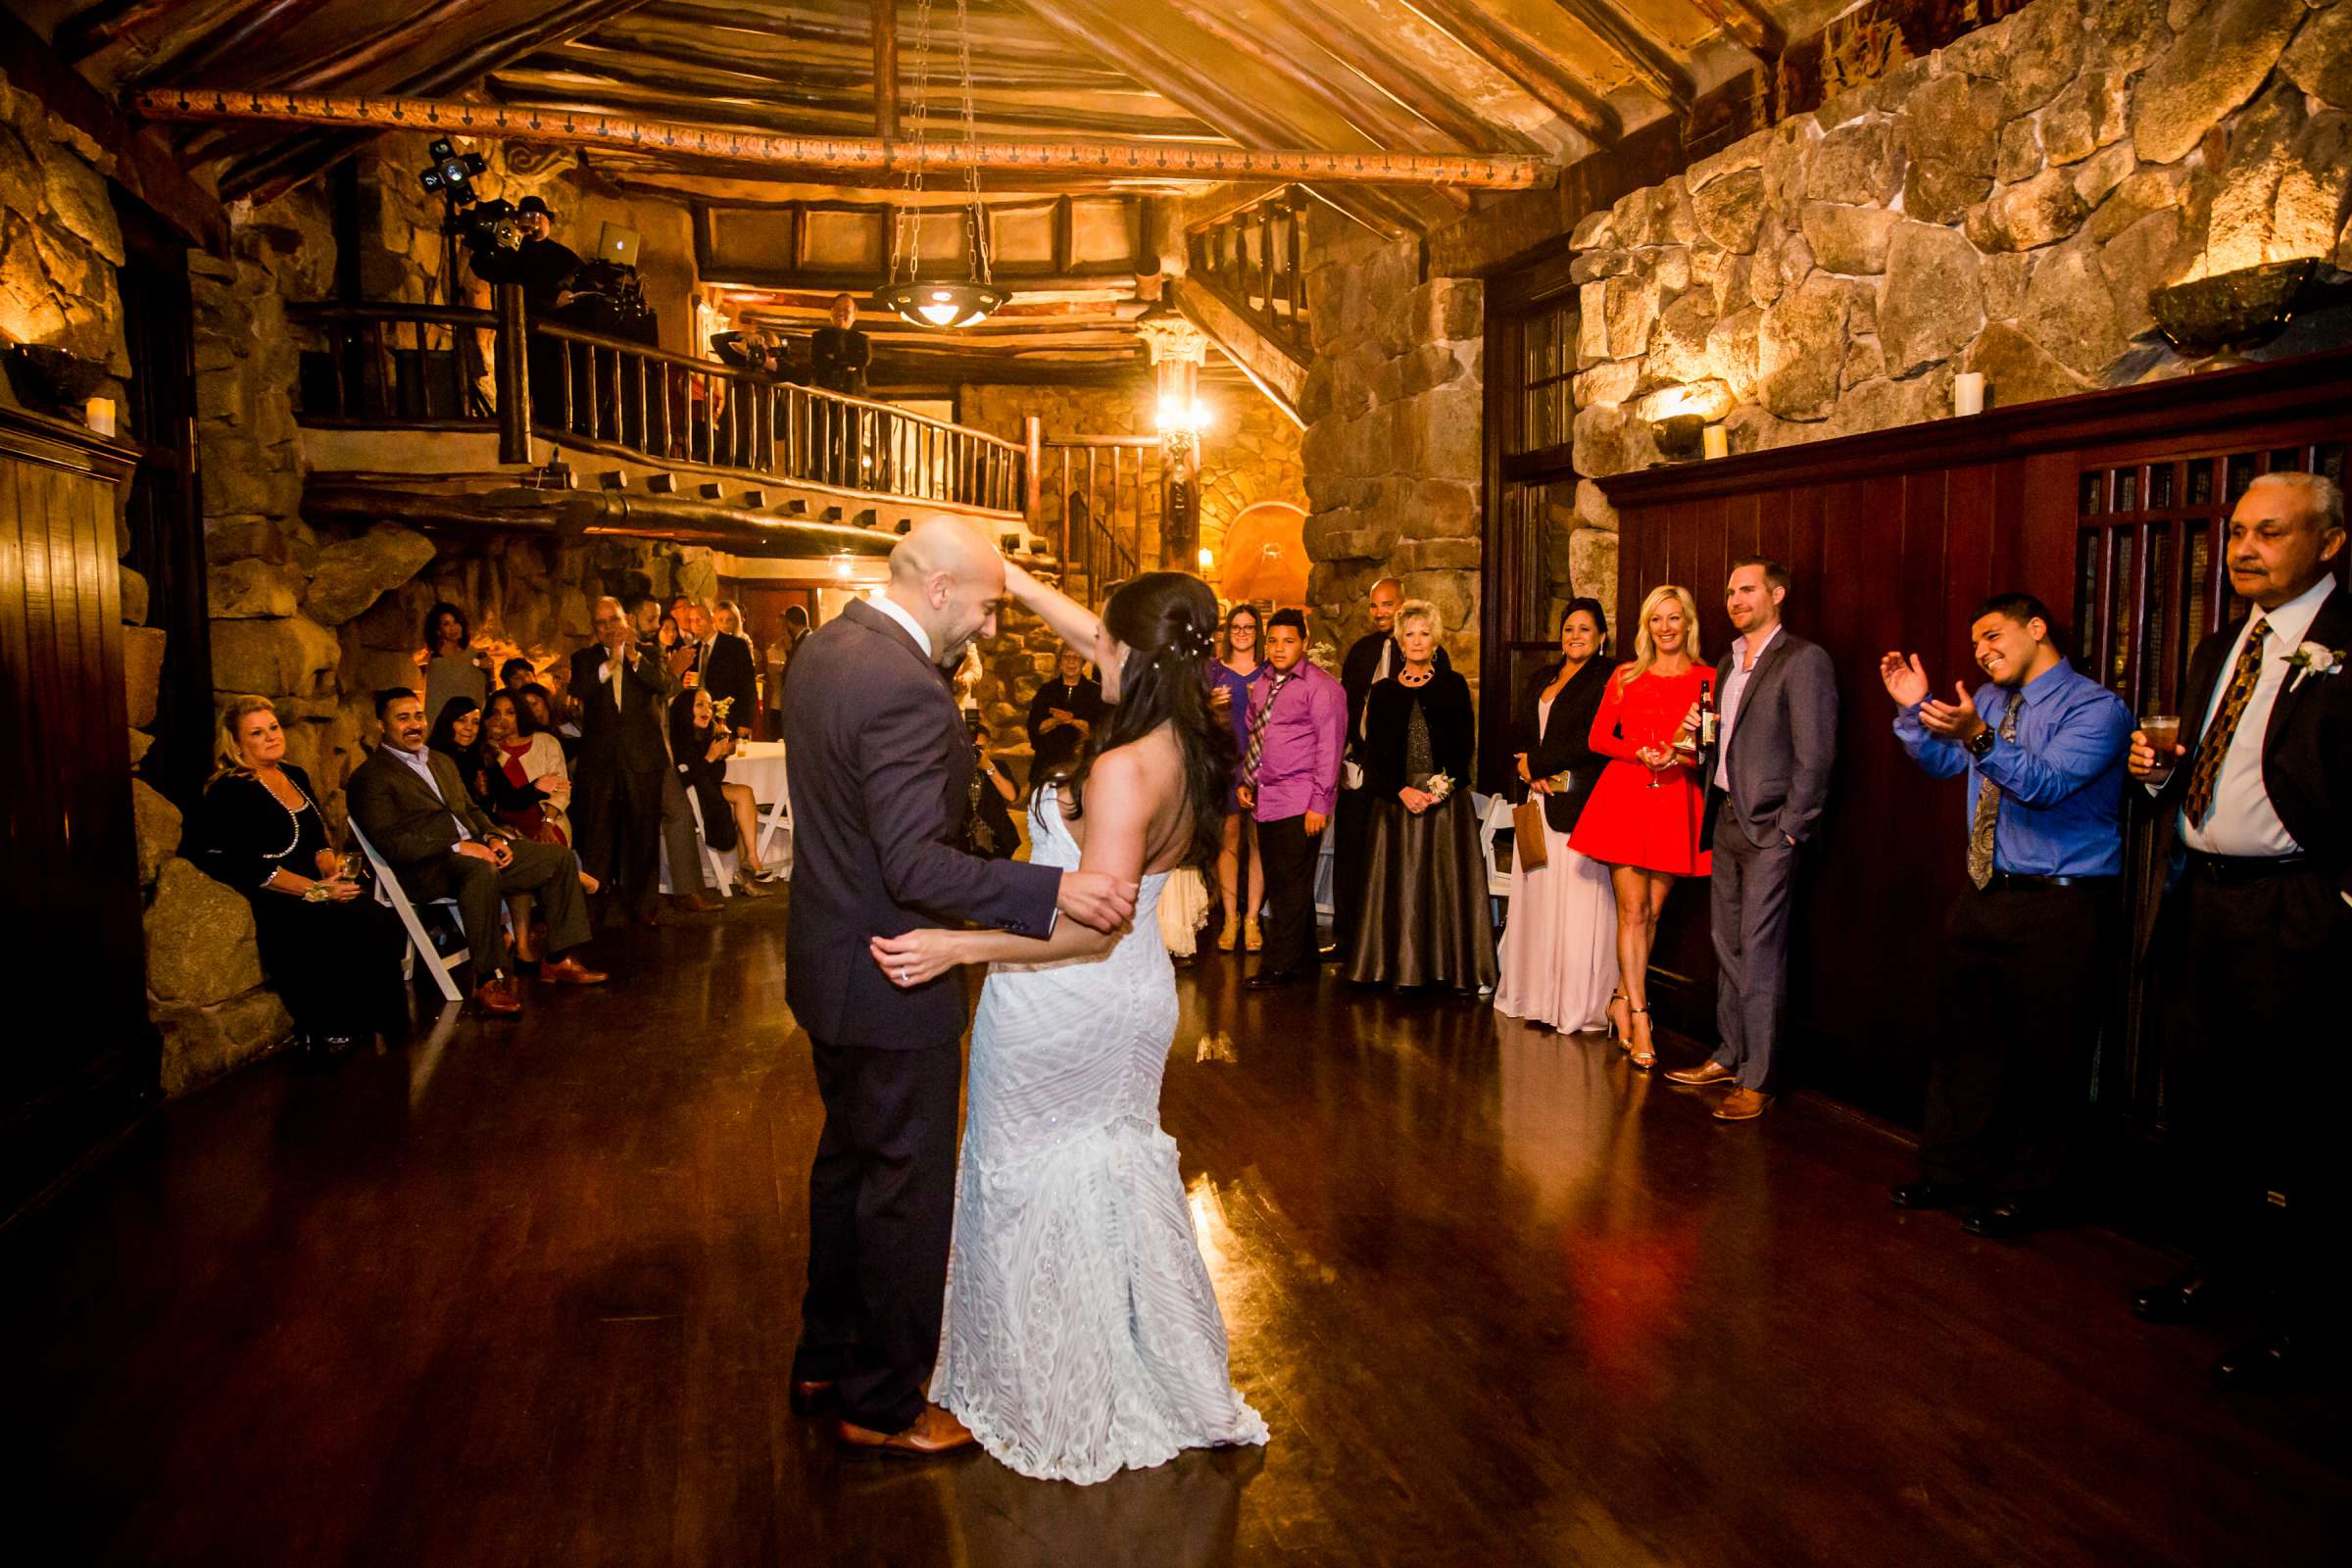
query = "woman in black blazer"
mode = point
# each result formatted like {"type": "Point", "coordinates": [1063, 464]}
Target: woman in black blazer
{"type": "Point", "coordinates": [1559, 945]}
{"type": "Point", "coordinates": [1424, 920]}
{"type": "Point", "coordinates": [329, 949]}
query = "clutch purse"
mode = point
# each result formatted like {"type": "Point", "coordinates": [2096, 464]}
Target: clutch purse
{"type": "Point", "coordinates": [1527, 834]}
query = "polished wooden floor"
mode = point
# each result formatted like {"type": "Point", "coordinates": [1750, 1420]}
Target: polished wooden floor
{"type": "Point", "coordinates": [525, 1294]}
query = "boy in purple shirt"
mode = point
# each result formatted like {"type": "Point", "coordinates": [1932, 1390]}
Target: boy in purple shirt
{"type": "Point", "coordinates": [1289, 782]}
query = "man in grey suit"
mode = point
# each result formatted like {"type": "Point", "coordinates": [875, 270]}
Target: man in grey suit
{"type": "Point", "coordinates": [880, 782]}
{"type": "Point", "coordinates": [410, 802]}
{"type": "Point", "coordinates": [1768, 774]}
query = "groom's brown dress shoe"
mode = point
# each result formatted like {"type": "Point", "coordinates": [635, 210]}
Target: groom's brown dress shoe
{"type": "Point", "coordinates": [1742, 1104]}
{"type": "Point", "coordinates": [935, 1431]}
{"type": "Point", "coordinates": [1708, 1072]}
{"type": "Point", "coordinates": [810, 1395]}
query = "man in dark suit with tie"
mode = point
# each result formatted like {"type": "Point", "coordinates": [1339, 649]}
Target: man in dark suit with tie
{"type": "Point", "coordinates": [622, 692]}
{"type": "Point", "coordinates": [722, 666]}
{"type": "Point", "coordinates": [880, 774]}
{"type": "Point", "coordinates": [2253, 932]}
{"type": "Point", "coordinates": [1768, 776]}
{"type": "Point", "coordinates": [410, 802]}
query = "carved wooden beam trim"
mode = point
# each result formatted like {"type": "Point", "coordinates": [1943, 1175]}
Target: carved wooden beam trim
{"type": "Point", "coordinates": [1474, 170]}
{"type": "Point", "coordinates": [1658, 72]}
{"type": "Point", "coordinates": [1474, 25]}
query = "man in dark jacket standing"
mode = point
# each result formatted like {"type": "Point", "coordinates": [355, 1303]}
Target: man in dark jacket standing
{"type": "Point", "coordinates": [881, 769]}
{"type": "Point", "coordinates": [620, 693]}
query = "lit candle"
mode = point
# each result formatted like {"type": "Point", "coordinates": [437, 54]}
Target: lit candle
{"type": "Point", "coordinates": [99, 415]}
{"type": "Point", "coordinates": [1968, 392]}
{"type": "Point", "coordinates": [1718, 441]}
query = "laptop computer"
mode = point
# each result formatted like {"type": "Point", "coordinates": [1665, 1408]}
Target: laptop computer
{"type": "Point", "coordinates": [617, 244]}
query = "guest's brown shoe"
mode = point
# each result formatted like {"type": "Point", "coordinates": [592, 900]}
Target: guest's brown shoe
{"type": "Point", "coordinates": [935, 1431]}
{"type": "Point", "coordinates": [700, 902]}
{"type": "Point", "coordinates": [1742, 1104]}
{"type": "Point", "coordinates": [496, 999]}
{"type": "Point", "coordinates": [1708, 1072]}
{"type": "Point", "coordinates": [570, 971]}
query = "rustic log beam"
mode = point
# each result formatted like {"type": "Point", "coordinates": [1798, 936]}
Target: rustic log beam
{"type": "Point", "coordinates": [1747, 21]}
{"type": "Point", "coordinates": [1476, 170]}
{"type": "Point", "coordinates": [886, 68]}
{"type": "Point", "coordinates": [1476, 27]}
{"type": "Point", "coordinates": [1416, 93]}
{"type": "Point", "coordinates": [1658, 72]}
{"type": "Point", "coordinates": [640, 37]}
{"type": "Point", "coordinates": [575, 515]}
{"type": "Point", "coordinates": [80, 37]}
{"type": "Point", "coordinates": [1270, 367]}
{"type": "Point", "coordinates": [247, 31]}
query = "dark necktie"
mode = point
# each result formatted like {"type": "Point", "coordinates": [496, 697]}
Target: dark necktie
{"type": "Point", "coordinates": [1258, 731]}
{"type": "Point", "coordinates": [1988, 806]}
{"type": "Point", "coordinates": [2243, 677]}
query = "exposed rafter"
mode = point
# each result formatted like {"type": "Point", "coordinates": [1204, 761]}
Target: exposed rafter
{"type": "Point", "coordinates": [1657, 70]}
{"type": "Point", "coordinates": [1477, 27]}
{"type": "Point", "coordinates": [1747, 21]}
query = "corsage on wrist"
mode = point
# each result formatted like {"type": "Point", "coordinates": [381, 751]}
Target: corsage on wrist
{"type": "Point", "coordinates": [1438, 788]}
{"type": "Point", "coordinates": [317, 893]}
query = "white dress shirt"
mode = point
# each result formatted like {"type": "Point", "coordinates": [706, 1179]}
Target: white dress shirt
{"type": "Point", "coordinates": [609, 674]}
{"type": "Point", "coordinates": [2241, 821]}
{"type": "Point", "coordinates": [1727, 702]}
{"type": "Point", "coordinates": [898, 612]}
{"type": "Point", "coordinates": [421, 762]}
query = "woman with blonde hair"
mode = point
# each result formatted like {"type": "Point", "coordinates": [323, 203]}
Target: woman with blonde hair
{"type": "Point", "coordinates": [1643, 819]}
{"type": "Point", "coordinates": [330, 953]}
{"type": "Point", "coordinates": [1424, 920]}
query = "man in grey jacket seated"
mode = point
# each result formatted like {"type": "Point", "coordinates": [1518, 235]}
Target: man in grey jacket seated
{"type": "Point", "coordinates": [415, 809]}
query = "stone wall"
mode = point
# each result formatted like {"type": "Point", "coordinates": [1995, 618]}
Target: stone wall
{"type": "Point", "coordinates": [2002, 206]}
{"type": "Point", "coordinates": [1392, 446]}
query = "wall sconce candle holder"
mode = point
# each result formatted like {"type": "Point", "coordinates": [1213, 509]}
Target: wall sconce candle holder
{"type": "Point", "coordinates": [2230, 313]}
{"type": "Point", "coordinates": [1679, 437]}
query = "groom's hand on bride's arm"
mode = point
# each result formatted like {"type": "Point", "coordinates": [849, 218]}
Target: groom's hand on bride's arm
{"type": "Point", "coordinates": [1095, 899]}
{"type": "Point", "coordinates": [917, 957]}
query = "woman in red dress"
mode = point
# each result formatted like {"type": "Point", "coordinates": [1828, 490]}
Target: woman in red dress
{"type": "Point", "coordinates": [1643, 820]}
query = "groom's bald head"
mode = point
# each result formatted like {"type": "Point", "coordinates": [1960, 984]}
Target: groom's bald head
{"type": "Point", "coordinates": [948, 578]}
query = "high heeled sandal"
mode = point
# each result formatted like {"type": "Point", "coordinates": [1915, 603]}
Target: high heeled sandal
{"type": "Point", "coordinates": [1642, 1060]}
{"type": "Point", "coordinates": [1622, 1041]}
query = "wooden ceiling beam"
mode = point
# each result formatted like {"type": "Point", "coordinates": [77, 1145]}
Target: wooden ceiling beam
{"type": "Point", "coordinates": [1477, 27]}
{"type": "Point", "coordinates": [841, 69]}
{"type": "Point", "coordinates": [1658, 71]}
{"type": "Point", "coordinates": [1283, 49]}
{"type": "Point", "coordinates": [1482, 171]}
{"type": "Point", "coordinates": [886, 67]}
{"type": "Point", "coordinates": [1747, 21]}
{"type": "Point", "coordinates": [1389, 73]}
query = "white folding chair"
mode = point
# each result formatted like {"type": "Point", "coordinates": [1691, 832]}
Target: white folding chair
{"type": "Point", "coordinates": [720, 866]}
{"type": "Point", "coordinates": [389, 891]}
{"type": "Point", "coordinates": [777, 819]}
{"type": "Point", "coordinates": [1494, 817]}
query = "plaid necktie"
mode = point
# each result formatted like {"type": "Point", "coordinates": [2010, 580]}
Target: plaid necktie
{"type": "Point", "coordinates": [1258, 731]}
{"type": "Point", "coordinates": [2216, 745]}
{"type": "Point", "coordinates": [1988, 806]}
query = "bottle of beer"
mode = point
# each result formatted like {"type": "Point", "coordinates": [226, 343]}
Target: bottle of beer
{"type": "Point", "coordinates": [1706, 715]}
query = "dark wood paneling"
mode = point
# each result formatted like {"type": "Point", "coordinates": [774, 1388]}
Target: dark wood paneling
{"type": "Point", "coordinates": [1894, 538]}
{"type": "Point", "coordinates": [74, 955]}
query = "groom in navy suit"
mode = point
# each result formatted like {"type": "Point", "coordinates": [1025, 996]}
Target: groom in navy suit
{"type": "Point", "coordinates": [880, 773]}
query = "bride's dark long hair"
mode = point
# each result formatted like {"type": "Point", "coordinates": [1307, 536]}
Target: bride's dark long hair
{"type": "Point", "coordinates": [1167, 621]}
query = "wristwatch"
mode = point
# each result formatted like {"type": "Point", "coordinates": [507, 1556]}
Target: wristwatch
{"type": "Point", "coordinates": [1979, 745]}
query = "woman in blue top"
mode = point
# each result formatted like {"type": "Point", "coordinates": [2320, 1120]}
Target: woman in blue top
{"type": "Point", "coordinates": [1230, 675]}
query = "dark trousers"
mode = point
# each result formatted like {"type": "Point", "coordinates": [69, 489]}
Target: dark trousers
{"type": "Point", "coordinates": [881, 1208]}
{"type": "Point", "coordinates": [549, 873]}
{"type": "Point", "coordinates": [2025, 984]}
{"type": "Point", "coordinates": [1288, 852]}
{"type": "Point", "coordinates": [1750, 888]}
{"type": "Point", "coordinates": [2252, 972]}
{"type": "Point", "coordinates": [1351, 851]}
{"type": "Point", "coordinates": [617, 818]}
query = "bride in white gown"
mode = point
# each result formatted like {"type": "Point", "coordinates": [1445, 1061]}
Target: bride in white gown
{"type": "Point", "coordinates": [1082, 1336]}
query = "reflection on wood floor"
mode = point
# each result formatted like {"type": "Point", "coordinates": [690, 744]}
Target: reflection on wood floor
{"type": "Point", "coordinates": [527, 1293]}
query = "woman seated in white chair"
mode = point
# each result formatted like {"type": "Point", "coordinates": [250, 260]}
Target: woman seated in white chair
{"type": "Point", "coordinates": [700, 746]}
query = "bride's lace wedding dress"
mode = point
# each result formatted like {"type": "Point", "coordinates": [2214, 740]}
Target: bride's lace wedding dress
{"type": "Point", "coordinates": [1081, 1336]}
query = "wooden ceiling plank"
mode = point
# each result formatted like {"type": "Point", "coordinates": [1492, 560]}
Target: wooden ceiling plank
{"type": "Point", "coordinates": [1391, 75]}
{"type": "Point", "coordinates": [1747, 21]}
{"type": "Point", "coordinates": [831, 67]}
{"type": "Point", "coordinates": [1284, 50]}
{"type": "Point", "coordinates": [1476, 27]}
{"type": "Point", "coordinates": [1657, 70]}
{"type": "Point", "coordinates": [886, 67]}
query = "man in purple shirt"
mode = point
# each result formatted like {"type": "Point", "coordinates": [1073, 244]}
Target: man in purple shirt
{"type": "Point", "coordinates": [1289, 780]}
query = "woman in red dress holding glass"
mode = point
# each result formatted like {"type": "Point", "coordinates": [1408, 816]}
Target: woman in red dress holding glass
{"type": "Point", "coordinates": [1644, 816]}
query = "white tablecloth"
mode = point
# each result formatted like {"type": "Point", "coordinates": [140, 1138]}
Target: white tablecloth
{"type": "Point", "coordinates": [760, 765]}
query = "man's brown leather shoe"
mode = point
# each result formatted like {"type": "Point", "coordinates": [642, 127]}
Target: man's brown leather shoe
{"type": "Point", "coordinates": [496, 999]}
{"type": "Point", "coordinates": [700, 902]}
{"type": "Point", "coordinates": [935, 1431]}
{"type": "Point", "coordinates": [1742, 1104]}
{"type": "Point", "coordinates": [811, 1395]}
{"type": "Point", "coordinates": [1708, 1072]}
{"type": "Point", "coordinates": [570, 971]}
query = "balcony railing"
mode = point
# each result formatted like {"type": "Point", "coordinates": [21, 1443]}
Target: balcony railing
{"type": "Point", "coordinates": [443, 368]}
{"type": "Point", "coordinates": [1256, 258]}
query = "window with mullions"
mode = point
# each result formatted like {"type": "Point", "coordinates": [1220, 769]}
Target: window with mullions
{"type": "Point", "coordinates": [1547, 365]}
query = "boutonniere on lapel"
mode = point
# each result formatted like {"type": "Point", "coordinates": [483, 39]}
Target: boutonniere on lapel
{"type": "Point", "coordinates": [2312, 659]}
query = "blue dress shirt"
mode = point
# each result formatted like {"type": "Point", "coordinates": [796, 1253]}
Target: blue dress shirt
{"type": "Point", "coordinates": [2062, 777]}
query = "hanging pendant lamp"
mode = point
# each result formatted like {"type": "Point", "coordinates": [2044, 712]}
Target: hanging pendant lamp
{"type": "Point", "coordinates": [941, 304]}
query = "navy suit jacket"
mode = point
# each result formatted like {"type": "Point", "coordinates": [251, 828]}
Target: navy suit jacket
{"type": "Point", "coordinates": [879, 769]}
